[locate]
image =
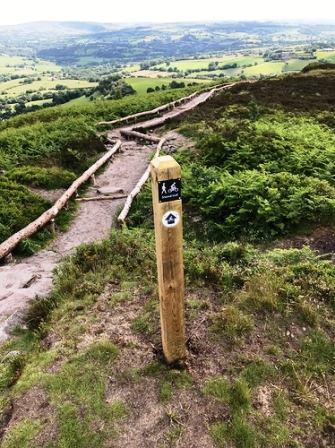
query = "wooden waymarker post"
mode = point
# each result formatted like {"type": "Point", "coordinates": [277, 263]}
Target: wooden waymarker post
{"type": "Point", "coordinates": [166, 196]}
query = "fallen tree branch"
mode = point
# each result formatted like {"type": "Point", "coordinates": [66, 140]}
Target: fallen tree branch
{"type": "Point", "coordinates": [176, 112]}
{"type": "Point", "coordinates": [111, 141]}
{"type": "Point", "coordinates": [129, 133]}
{"type": "Point", "coordinates": [7, 246]}
{"type": "Point", "coordinates": [150, 112]}
{"type": "Point", "coordinates": [137, 189]}
{"type": "Point", "coordinates": [101, 198]}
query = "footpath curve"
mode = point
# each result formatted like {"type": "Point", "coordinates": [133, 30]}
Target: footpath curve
{"type": "Point", "coordinates": [27, 279]}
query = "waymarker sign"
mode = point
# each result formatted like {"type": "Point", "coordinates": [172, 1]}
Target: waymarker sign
{"type": "Point", "coordinates": [166, 197]}
{"type": "Point", "coordinates": [169, 190]}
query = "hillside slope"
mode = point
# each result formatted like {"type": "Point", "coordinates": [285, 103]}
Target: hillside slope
{"type": "Point", "coordinates": [89, 369]}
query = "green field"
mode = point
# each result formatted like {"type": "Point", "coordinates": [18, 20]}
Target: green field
{"type": "Point", "coordinates": [47, 67]}
{"type": "Point", "coordinates": [38, 103]}
{"type": "Point", "coordinates": [25, 66]}
{"type": "Point", "coordinates": [296, 65]}
{"type": "Point", "coordinates": [77, 101]}
{"type": "Point", "coordinates": [328, 55]}
{"type": "Point", "coordinates": [9, 64]}
{"type": "Point", "coordinates": [247, 65]}
{"type": "Point", "coordinates": [142, 84]}
{"type": "Point", "coordinates": [195, 64]}
{"type": "Point", "coordinates": [89, 60]}
{"type": "Point", "coordinates": [189, 64]}
{"type": "Point", "coordinates": [15, 87]}
{"type": "Point", "coordinates": [246, 60]}
{"type": "Point", "coordinates": [133, 68]}
{"type": "Point", "coordinates": [265, 68]}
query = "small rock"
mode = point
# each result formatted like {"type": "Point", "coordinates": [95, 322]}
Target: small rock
{"type": "Point", "coordinates": [109, 190]}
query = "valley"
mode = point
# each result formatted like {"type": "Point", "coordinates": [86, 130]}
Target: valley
{"type": "Point", "coordinates": [84, 367]}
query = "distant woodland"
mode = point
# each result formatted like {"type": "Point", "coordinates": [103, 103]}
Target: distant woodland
{"type": "Point", "coordinates": [46, 64]}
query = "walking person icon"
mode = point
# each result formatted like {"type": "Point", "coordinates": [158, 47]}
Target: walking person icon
{"type": "Point", "coordinates": [169, 190]}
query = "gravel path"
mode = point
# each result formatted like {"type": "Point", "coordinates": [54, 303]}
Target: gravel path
{"type": "Point", "coordinates": [24, 280]}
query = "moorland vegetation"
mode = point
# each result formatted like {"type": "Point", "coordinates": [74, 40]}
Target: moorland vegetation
{"type": "Point", "coordinates": [88, 370]}
{"type": "Point", "coordinates": [48, 148]}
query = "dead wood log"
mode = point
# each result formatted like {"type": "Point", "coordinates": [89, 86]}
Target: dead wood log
{"type": "Point", "coordinates": [129, 133]}
{"type": "Point", "coordinates": [111, 141]}
{"type": "Point", "coordinates": [7, 246]}
{"type": "Point", "coordinates": [138, 115]}
{"type": "Point", "coordinates": [169, 105]}
{"type": "Point", "coordinates": [137, 189]}
{"type": "Point", "coordinates": [101, 198]}
{"type": "Point", "coordinates": [152, 111]}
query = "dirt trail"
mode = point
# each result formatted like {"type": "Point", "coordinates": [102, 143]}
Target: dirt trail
{"type": "Point", "coordinates": [25, 279]}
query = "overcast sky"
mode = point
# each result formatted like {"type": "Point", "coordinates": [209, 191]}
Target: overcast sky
{"type": "Point", "coordinates": [22, 11]}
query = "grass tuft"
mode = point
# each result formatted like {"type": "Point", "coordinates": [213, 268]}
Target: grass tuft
{"type": "Point", "coordinates": [231, 323]}
{"type": "Point", "coordinates": [22, 434]}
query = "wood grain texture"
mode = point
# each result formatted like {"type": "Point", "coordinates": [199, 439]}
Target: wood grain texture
{"type": "Point", "coordinates": [169, 252]}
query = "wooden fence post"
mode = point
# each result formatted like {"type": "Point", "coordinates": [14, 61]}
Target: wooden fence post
{"type": "Point", "coordinates": [166, 196]}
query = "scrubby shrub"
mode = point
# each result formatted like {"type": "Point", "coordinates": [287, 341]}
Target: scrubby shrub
{"type": "Point", "coordinates": [258, 205]}
{"type": "Point", "coordinates": [48, 178]}
{"type": "Point", "coordinates": [18, 207]}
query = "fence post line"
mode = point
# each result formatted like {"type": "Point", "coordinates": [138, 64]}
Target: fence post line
{"type": "Point", "coordinates": [166, 196]}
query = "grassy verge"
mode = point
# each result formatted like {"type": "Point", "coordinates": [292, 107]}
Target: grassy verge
{"type": "Point", "coordinates": [259, 323]}
{"type": "Point", "coordinates": [260, 341]}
